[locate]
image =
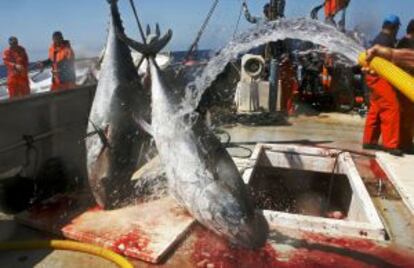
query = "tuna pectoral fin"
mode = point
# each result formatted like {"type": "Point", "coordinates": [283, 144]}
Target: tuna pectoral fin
{"type": "Point", "coordinates": [144, 125]}
{"type": "Point", "coordinates": [102, 134]}
{"type": "Point", "coordinates": [150, 166]}
{"type": "Point", "coordinates": [150, 49]}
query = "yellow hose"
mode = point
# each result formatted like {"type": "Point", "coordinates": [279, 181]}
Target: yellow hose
{"type": "Point", "coordinates": [400, 79]}
{"type": "Point", "coordinates": [68, 245]}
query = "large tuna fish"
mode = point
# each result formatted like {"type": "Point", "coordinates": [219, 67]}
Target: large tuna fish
{"type": "Point", "coordinates": [201, 174]}
{"type": "Point", "coordinates": [114, 151]}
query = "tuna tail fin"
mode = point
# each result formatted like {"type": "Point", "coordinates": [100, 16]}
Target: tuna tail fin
{"type": "Point", "coordinates": [149, 50]}
{"type": "Point", "coordinates": [148, 30]}
{"type": "Point", "coordinates": [157, 30]}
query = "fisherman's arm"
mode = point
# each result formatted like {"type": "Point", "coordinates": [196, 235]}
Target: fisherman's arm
{"type": "Point", "coordinates": [69, 54]}
{"type": "Point", "coordinates": [44, 63]}
{"type": "Point", "coordinates": [404, 58]}
{"type": "Point", "coordinates": [8, 61]}
{"type": "Point", "coordinates": [401, 57]}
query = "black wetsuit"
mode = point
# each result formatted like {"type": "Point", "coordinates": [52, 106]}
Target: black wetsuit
{"type": "Point", "coordinates": [384, 40]}
{"type": "Point", "coordinates": [406, 43]}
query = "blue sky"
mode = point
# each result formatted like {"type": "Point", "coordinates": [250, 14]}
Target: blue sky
{"type": "Point", "coordinates": [84, 21]}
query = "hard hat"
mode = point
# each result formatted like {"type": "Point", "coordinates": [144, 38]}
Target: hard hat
{"type": "Point", "coordinates": [392, 19]}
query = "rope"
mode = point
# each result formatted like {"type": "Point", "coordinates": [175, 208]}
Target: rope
{"type": "Point", "coordinates": [228, 144]}
{"type": "Point", "coordinates": [32, 139]}
{"type": "Point", "coordinates": [202, 29]}
{"type": "Point", "coordinates": [238, 20]}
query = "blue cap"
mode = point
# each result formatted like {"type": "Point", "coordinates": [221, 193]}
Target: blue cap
{"type": "Point", "coordinates": [392, 19]}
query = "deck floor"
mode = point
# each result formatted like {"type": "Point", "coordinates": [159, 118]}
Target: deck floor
{"type": "Point", "coordinates": [286, 248]}
{"type": "Point", "coordinates": [401, 171]}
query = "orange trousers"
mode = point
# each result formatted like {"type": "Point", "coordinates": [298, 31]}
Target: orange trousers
{"type": "Point", "coordinates": [18, 87]}
{"type": "Point", "coordinates": [290, 87]}
{"type": "Point", "coordinates": [407, 122]}
{"type": "Point", "coordinates": [383, 117]}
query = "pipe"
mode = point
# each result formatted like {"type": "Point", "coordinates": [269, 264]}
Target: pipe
{"type": "Point", "coordinates": [273, 85]}
{"type": "Point", "coordinates": [400, 79]}
{"type": "Point", "coordinates": [68, 245]}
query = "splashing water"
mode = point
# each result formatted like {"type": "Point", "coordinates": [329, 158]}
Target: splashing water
{"type": "Point", "coordinates": [302, 29]}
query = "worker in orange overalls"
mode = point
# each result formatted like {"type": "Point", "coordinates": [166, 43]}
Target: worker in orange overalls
{"type": "Point", "coordinates": [326, 74]}
{"type": "Point", "coordinates": [384, 113]}
{"type": "Point", "coordinates": [62, 60]}
{"type": "Point", "coordinates": [332, 7]}
{"type": "Point", "coordinates": [290, 85]}
{"type": "Point", "coordinates": [406, 105]}
{"type": "Point", "coordinates": [17, 63]}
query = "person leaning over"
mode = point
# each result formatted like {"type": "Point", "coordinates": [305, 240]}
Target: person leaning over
{"type": "Point", "coordinates": [62, 60]}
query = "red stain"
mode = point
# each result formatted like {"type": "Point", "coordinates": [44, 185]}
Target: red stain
{"type": "Point", "coordinates": [311, 251]}
{"type": "Point", "coordinates": [134, 243]}
{"type": "Point", "coordinates": [211, 250]}
{"type": "Point", "coordinates": [360, 244]}
{"type": "Point", "coordinates": [370, 251]}
{"type": "Point", "coordinates": [315, 258]}
{"type": "Point", "coordinates": [377, 170]}
{"type": "Point", "coordinates": [97, 208]}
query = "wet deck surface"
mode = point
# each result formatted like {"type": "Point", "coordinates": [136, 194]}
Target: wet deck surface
{"type": "Point", "coordinates": [286, 248]}
{"type": "Point", "coordinates": [401, 172]}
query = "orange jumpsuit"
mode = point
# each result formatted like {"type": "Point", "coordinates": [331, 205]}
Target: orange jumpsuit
{"type": "Point", "coordinates": [290, 86]}
{"type": "Point", "coordinates": [17, 81]}
{"type": "Point", "coordinates": [407, 122]}
{"type": "Point", "coordinates": [62, 60]}
{"type": "Point", "coordinates": [383, 115]}
{"type": "Point", "coordinates": [334, 6]}
{"type": "Point", "coordinates": [407, 107]}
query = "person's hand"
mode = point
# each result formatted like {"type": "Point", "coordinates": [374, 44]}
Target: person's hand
{"type": "Point", "coordinates": [367, 70]}
{"type": "Point", "coordinates": [379, 51]}
{"type": "Point", "coordinates": [376, 51]}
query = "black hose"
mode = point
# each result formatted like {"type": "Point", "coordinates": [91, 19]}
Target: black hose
{"type": "Point", "coordinates": [331, 182]}
{"type": "Point", "coordinates": [229, 144]}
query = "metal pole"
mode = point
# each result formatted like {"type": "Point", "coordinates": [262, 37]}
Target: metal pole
{"type": "Point", "coordinates": [273, 84]}
{"type": "Point", "coordinates": [141, 30]}
{"type": "Point", "coordinates": [279, 96]}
